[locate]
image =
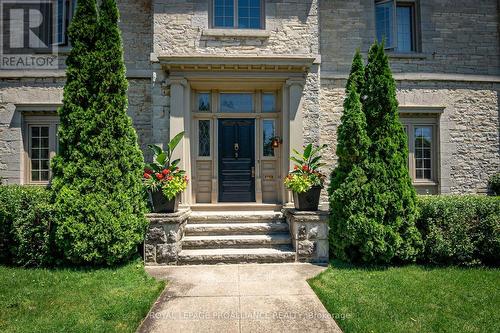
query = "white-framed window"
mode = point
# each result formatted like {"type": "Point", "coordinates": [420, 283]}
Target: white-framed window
{"type": "Point", "coordinates": [237, 14]}
{"type": "Point", "coordinates": [423, 155]}
{"type": "Point", "coordinates": [268, 136]}
{"type": "Point", "coordinates": [40, 146]}
{"type": "Point", "coordinates": [397, 23]}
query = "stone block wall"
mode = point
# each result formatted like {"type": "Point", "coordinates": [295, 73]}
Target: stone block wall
{"type": "Point", "coordinates": [309, 232]}
{"type": "Point", "coordinates": [456, 36]}
{"type": "Point", "coordinates": [180, 27]}
{"type": "Point", "coordinates": [164, 237]}
{"type": "Point", "coordinates": [469, 149]}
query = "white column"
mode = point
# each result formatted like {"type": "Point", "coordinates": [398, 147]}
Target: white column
{"type": "Point", "coordinates": [159, 101]}
{"type": "Point", "coordinates": [180, 120]}
{"type": "Point", "coordinates": [293, 126]}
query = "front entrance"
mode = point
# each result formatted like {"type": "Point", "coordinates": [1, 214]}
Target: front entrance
{"type": "Point", "coordinates": [236, 160]}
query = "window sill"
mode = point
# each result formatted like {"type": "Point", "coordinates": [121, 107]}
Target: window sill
{"type": "Point", "coordinates": [425, 183]}
{"type": "Point", "coordinates": [238, 33]}
{"type": "Point", "coordinates": [410, 55]}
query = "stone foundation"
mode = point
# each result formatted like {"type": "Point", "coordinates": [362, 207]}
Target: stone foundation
{"type": "Point", "coordinates": [309, 231]}
{"type": "Point", "coordinates": [164, 237]}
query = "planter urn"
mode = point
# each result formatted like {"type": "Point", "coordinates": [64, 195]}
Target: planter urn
{"type": "Point", "coordinates": [163, 205]}
{"type": "Point", "coordinates": [307, 201]}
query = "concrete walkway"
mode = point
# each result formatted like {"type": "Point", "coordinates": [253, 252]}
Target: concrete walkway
{"type": "Point", "coordinates": [238, 298]}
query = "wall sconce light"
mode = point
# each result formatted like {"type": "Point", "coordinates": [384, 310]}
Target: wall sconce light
{"type": "Point", "coordinates": [276, 142]}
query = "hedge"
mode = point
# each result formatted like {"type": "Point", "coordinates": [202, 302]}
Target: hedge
{"type": "Point", "coordinates": [26, 221]}
{"type": "Point", "coordinates": [460, 230]}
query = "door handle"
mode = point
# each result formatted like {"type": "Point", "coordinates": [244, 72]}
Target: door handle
{"type": "Point", "coordinates": [253, 172]}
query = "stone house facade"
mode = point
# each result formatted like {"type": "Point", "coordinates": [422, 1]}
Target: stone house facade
{"type": "Point", "coordinates": [250, 80]}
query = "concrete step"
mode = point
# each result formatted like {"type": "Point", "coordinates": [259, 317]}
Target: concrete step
{"type": "Point", "coordinates": [236, 207]}
{"type": "Point", "coordinates": [238, 241]}
{"type": "Point", "coordinates": [249, 228]}
{"type": "Point", "coordinates": [235, 217]}
{"type": "Point", "coordinates": [236, 256]}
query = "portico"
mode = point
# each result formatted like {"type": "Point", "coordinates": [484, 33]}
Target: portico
{"type": "Point", "coordinates": [242, 117]}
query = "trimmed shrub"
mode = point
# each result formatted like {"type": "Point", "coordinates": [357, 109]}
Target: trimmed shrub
{"type": "Point", "coordinates": [494, 183]}
{"type": "Point", "coordinates": [97, 185]}
{"type": "Point", "coordinates": [372, 200]}
{"type": "Point", "coordinates": [26, 221]}
{"type": "Point", "coordinates": [460, 230]}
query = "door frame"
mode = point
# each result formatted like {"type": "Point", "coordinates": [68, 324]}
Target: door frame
{"type": "Point", "coordinates": [253, 158]}
{"type": "Point", "coordinates": [259, 159]}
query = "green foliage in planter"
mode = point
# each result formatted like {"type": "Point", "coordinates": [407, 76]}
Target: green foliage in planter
{"type": "Point", "coordinates": [26, 222]}
{"type": "Point", "coordinates": [494, 183]}
{"type": "Point", "coordinates": [97, 174]}
{"type": "Point", "coordinates": [372, 199]}
{"type": "Point", "coordinates": [460, 230]}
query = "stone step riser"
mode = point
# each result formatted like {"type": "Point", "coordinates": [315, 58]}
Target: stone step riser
{"type": "Point", "coordinates": [235, 229]}
{"type": "Point", "coordinates": [234, 220]}
{"type": "Point", "coordinates": [235, 243]}
{"type": "Point", "coordinates": [234, 259]}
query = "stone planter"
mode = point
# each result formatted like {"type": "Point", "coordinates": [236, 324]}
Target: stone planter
{"type": "Point", "coordinates": [307, 201]}
{"type": "Point", "coordinates": [163, 240]}
{"type": "Point", "coordinates": [163, 205]}
{"type": "Point", "coordinates": [309, 232]}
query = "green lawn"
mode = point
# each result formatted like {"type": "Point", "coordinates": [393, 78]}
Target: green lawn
{"type": "Point", "coordinates": [411, 299]}
{"type": "Point", "coordinates": [69, 300]}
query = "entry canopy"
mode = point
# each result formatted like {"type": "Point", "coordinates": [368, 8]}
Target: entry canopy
{"type": "Point", "coordinates": [246, 63]}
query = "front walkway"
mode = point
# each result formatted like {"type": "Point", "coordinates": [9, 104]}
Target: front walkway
{"type": "Point", "coordinates": [238, 298]}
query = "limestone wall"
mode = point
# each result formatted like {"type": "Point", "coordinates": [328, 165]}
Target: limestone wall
{"type": "Point", "coordinates": [456, 36]}
{"type": "Point", "coordinates": [468, 127]}
{"type": "Point", "coordinates": [181, 27]}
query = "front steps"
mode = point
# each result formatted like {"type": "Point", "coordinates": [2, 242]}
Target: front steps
{"type": "Point", "coordinates": [213, 237]}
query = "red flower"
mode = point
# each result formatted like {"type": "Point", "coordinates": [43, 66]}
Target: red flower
{"type": "Point", "coordinates": [147, 175]}
{"type": "Point", "coordinates": [305, 168]}
{"type": "Point", "coordinates": [159, 176]}
{"type": "Point", "coordinates": [170, 178]}
{"type": "Point", "coordinates": [148, 171]}
{"type": "Point", "coordinates": [165, 172]}
{"type": "Point", "coordinates": [296, 167]}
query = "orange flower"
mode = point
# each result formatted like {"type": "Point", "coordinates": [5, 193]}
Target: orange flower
{"type": "Point", "coordinates": [159, 176]}
{"type": "Point", "coordinates": [170, 178]}
{"type": "Point", "coordinates": [147, 175]}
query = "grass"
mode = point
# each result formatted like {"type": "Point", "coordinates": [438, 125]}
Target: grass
{"type": "Point", "coordinates": [411, 298]}
{"type": "Point", "coordinates": [75, 300]}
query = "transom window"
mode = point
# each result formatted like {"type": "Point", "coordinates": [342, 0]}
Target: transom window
{"type": "Point", "coordinates": [236, 102]}
{"type": "Point", "coordinates": [241, 14]}
{"type": "Point", "coordinates": [396, 23]}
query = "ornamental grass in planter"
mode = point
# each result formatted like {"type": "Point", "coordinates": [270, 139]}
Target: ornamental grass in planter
{"type": "Point", "coordinates": [305, 181]}
{"type": "Point", "coordinates": [163, 178]}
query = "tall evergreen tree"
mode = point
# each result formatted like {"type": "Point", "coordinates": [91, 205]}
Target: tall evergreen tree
{"type": "Point", "coordinates": [347, 202]}
{"type": "Point", "coordinates": [352, 140]}
{"type": "Point", "coordinates": [97, 173]}
{"type": "Point", "coordinates": [391, 191]}
{"type": "Point", "coordinates": [372, 200]}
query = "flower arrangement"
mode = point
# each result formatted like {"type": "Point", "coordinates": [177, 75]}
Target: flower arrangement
{"type": "Point", "coordinates": [305, 174]}
{"type": "Point", "coordinates": [163, 174]}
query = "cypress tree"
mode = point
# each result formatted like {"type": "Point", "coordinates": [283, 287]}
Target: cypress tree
{"type": "Point", "coordinates": [97, 173]}
{"type": "Point", "coordinates": [347, 202]}
{"type": "Point", "coordinates": [392, 208]}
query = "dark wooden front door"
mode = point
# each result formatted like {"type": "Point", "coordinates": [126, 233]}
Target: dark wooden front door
{"type": "Point", "coordinates": [236, 160]}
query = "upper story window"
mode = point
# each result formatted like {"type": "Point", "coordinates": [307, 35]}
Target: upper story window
{"type": "Point", "coordinates": [65, 9]}
{"type": "Point", "coordinates": [239, 14]}
{"type": "Point", "coordinates": [396, 22]}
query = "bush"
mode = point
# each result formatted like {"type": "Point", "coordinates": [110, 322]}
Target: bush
{"type": "Point", "coordinates": [26, 221]}
{"type": "Point", "coordinates": [372, 200]}
{"type": "Point", "coordinates": [97, 186]}
{"type": "Point", "coordinates": [494, 183]}
{"type": "Point", "coordinates": [460, 230]}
